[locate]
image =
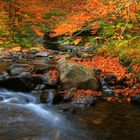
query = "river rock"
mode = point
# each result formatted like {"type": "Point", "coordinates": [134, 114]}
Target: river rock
{"type": "Point", "coordinates": [50, 97]}
{"type": "Point", "coordinates": [89, 101]}
{"type": "Point", "coordinates": [77, 49]}
{"type": "Point", "coordinates": [86, 101]}
{"type": "Point", "coordinates": [107, 91]}
{"type": "Point", "coordinates": [19, 77]}
{"type": "Point", "coordinates": [4, 75]}
{"type": "Point", "coordinates": [111, 79]}
{"type": "Point", "coordinates": [136, 99]}
{"type": "Point", "coordinates": [40, 87]}
{"type": "Point", "coordinates": [41, 54]}
{"type": "Point", "coordinates": [26, 77]}
{"type": "Point", "coordinates": [73, 75]}
{"type": "Point", "coordinates": [49, 80]}
{"type": "Point", "coordinates": [20, 70]}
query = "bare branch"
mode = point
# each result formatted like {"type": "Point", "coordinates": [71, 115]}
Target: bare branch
{"type": "Point", "coordinates": [128, 10]}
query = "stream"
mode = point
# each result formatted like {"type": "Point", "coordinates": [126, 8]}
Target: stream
{"type": "Point", "coordinates": [24, 117]}
{"type": "Point", "coordinates": [21, 117]}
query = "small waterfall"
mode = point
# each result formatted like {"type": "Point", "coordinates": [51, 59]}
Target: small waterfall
{"type": "Point", "coordinates": [15, 97]}
{"type": "Point", "coordinates": [22, 115]}
{"type": "Point", "coordinates": [27, 101]}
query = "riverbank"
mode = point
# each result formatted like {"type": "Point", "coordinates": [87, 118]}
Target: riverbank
{"type": "Point", "coordinates": [43, 70]}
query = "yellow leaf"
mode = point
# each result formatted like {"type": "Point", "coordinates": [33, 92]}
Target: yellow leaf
{"type": "Point", "coordinates": [77, 41]}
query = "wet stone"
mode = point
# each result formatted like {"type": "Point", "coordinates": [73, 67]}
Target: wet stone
{"type": "Point", "coordinates": [41, 54]}
{"type": "Point", "coordinates": [107, 91]}
{"type": "Point", "coordinates": [111, 79]}
{"type": "Point", "coordinates": [50, 97]}
{"type": "Point", "coordinates": [86, 101]}
{"type": "Point", "coordinates": [136, 99]}
{"type": "Point", "coordinates": [19, 69]}
{"type": "Point", "coordinates": [40, 87]}
{"type": "Point", "coordinates": [89, 101]}
{"type": "Point", "coordinates": [69, 96]}
{"type": "Point", "coordinates": [4, 75]}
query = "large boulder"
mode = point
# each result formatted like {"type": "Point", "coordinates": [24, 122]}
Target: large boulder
{"type": "Point", "coordinates": [73, 75]}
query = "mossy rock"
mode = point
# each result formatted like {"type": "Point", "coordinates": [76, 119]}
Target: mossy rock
{"type": "Point", "coordinates": [73, 75]}
{"type": "Point", "coordinates": [33, 50]}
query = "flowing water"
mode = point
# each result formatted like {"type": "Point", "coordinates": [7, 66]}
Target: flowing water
{"type": "Point", "coordinates": [22, 118]}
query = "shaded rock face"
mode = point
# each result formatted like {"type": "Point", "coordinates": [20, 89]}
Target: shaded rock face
{"type": "Point", "coordinates": [27, 83]}
{"type": "Point", "coordinates": [50, 42]}
{"type": "Point", "coordinates": [73, 75]}
{"type": "Point", "coordinates": [18, 77]}
{"type": "Point", "coordinates": [27, 77]}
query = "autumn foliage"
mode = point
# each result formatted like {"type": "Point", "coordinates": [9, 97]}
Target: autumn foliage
{"type": "Point", "coordinates": [108, 64]}
{"type": "Point", "coordinates": [89, 14]}
{"type": "Point", "coordinates": [107, 22]}
{"type": "Point", "coordinates": [76, 15]}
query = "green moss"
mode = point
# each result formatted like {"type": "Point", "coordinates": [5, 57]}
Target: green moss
{"type": "Point", "coordinates": [33, 50]}
{"type": "Point", "coordinates": [108, 31]}
{"type": "Point", "coordinates": [127, 50]}
{"type": "Point", "coordinates": [125, 58]}
{"type": "Point", "coordinates": [134, 42]}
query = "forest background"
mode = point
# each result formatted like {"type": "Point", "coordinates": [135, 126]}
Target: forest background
{"type": "Point", "coordinates": [110, 27]}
